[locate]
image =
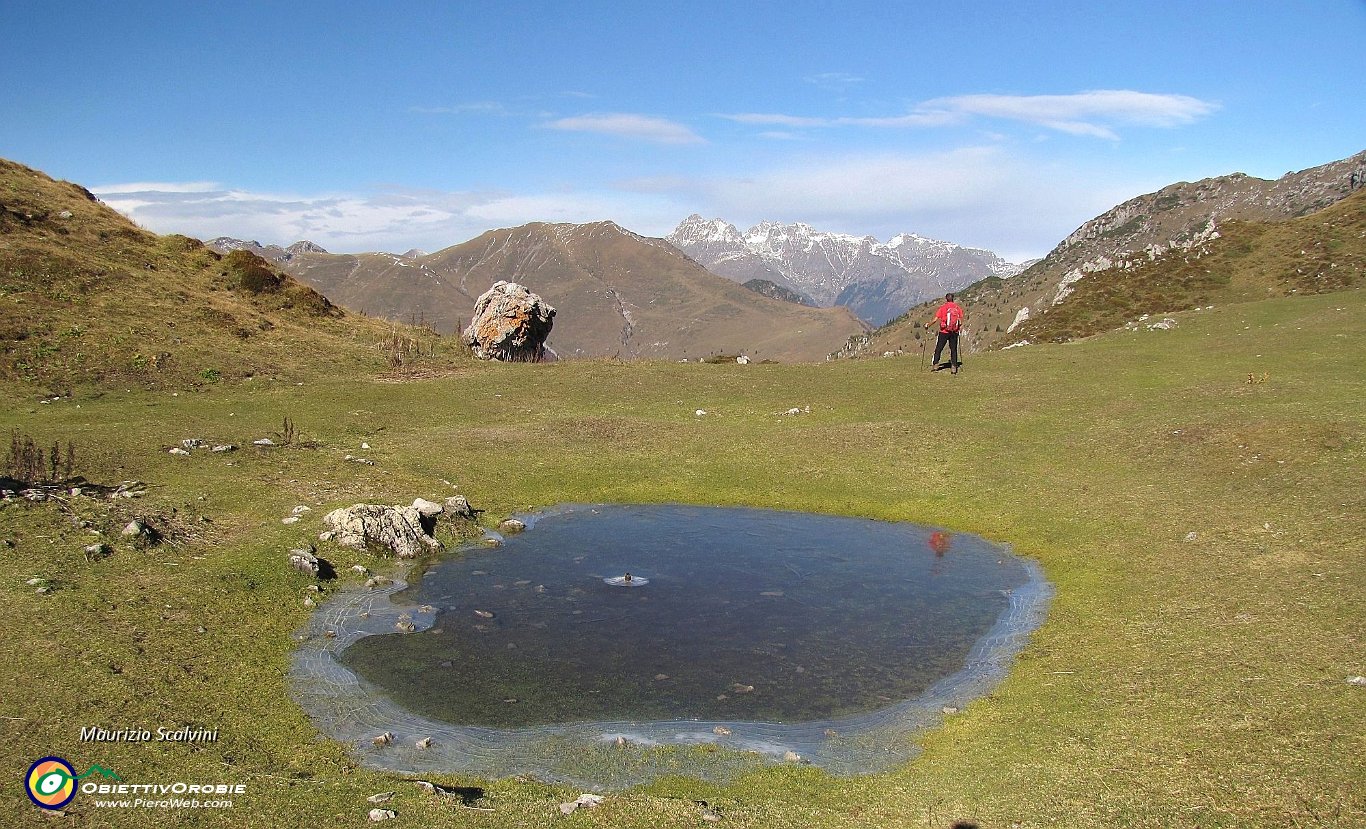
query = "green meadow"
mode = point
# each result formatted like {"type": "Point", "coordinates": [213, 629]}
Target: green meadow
{"type": "Point", "coordinates": [1195, 495]}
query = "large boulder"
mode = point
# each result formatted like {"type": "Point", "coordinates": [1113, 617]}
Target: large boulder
{"type": "Point", "coordinates": [400, 529]}
{"type": "Point", "coordinates": [510, 324]}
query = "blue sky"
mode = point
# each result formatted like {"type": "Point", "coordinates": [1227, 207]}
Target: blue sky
{"type": "Point", "coordinates": [387, 126]}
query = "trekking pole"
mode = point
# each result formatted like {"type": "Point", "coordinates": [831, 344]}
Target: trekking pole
{"type": "Point", "coordinates": [922, 355]}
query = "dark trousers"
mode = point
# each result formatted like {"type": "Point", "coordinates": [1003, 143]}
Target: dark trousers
{"type": "Point", "coordinates": [950, 337]}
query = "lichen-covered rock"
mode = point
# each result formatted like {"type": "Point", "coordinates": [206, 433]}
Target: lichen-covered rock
{"type": "Point", "coordinates": [399, 529]}
{"type": "Point", "coordinates": [510, 324]}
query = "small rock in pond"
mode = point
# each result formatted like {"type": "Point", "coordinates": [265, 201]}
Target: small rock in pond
{"type": "Point", "coordinates": [382, 797]}
{"type": "Point", "coordinates": [384, 739]}
{"type": "Point", "coordinates": [791, 757]}
{"type": "Point", "coordinates": [405, 626]}
{"type": "Point", "coordinates": [511, 525]}
{"type": "Point", "coordinates": [722, 730]}
{"type": "Point", "coordinates": [380, 815]}
{"type": "Point", "coordinates": [621, 742]}
{"type": "Point", "coordinates": [483, 614]}
{"type": "Point", "coordinates": [425, 742]}
{"type": "Point", "coordinates": [950, 709]}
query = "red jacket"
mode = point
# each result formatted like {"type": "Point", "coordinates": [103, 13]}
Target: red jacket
{"type": "Point", "coordinates": [950, 316]}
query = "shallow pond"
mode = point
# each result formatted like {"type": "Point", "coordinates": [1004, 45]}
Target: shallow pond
{"type": "Point", "coordinates": [836, 639]}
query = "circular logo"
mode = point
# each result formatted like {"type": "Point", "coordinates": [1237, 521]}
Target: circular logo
{"type": "Point", "coordinates": [51, 782]}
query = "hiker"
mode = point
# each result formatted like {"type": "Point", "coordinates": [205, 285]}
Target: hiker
{"type": "Point", "coordinates": [950, 318]}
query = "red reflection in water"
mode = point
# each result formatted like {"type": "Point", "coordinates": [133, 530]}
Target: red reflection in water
{"type": "Point", "coordinates": [939, 542]}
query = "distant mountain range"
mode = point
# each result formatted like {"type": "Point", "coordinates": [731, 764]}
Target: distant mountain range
{"type": "Point", "coordinates": [1137, 258]}
{"type": "Point", "coordinates": [616, 293]}
{"type": "Point", "coordinates": [875, 280]}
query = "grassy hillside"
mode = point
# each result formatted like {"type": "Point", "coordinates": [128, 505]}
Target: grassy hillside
{"type": "Point", "coordinates": [1177, 682]}
{"type": "Point", "coordinates": [1322, 252]}
{"type": "Point", "coordinates": [87, 297]}
{"type": "Point", "coordinates": [617, 294]}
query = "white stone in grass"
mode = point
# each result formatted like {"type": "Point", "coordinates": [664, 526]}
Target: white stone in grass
{"type": "Point", "coordinates": [381, 815]}
{"type": "Point", "coordinates": [1359, 681]}
{"type": "Point", "coordinates": [1192, 535]}
{"type": "Point", "coordinates": [176, 450]}
{"type": "Point", "coordinates": [382, 797]}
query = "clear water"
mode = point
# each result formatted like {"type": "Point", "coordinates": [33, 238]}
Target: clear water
{"type": "Point", "coordinates": [747, 616]}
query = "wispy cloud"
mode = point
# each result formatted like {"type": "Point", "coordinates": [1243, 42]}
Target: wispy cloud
{"type": "Point", "coordinates": [474, 107]}
{"type": "Point", "coordinates": [834, 81]}
{"type": "Point", "coordinates": [392, 219]}
{"type": "Point", "coordinates": [628, 125]}
{"type": "Point", "coordinates": [1095, 114]}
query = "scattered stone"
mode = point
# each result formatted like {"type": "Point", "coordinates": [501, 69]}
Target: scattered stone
{"type": "Point", "coordinates": [620, 742]}
{"type": "Point", "coordinates": [398, 529]}
{"type": "Point", "coordinates": [95, 552]}
{"type": "Point", "coordinates": [309, 602]}
{"type": "Point", "coordinates": [742, 689]}
{"type": "Point", "coordinates": [65, 214]}
{"type": "Point", "coordinates": [382, 797]}
{"type": "Point", "coordinates": [511, 526]}
{"type": "Point", "coordinates": [1359, 681]}
{"type": "Point", "coordinates": [484, 614]}
{"type": "Point", "coordinates": [300, 510]}
{"type": "Point", "coordinates": [304, 561]}
{"type": "Point", "coordinates": [722, 730]}
{"type": "Point", "coordinates": [378, 581]}
{"type": "Point", "coordinates": [510, 324]}
{"type": "Point", "coordinates": [425, 742]}
{"type": "Point", "coordinates": [459, 505]}
{"type": "Point", "coordinates": [381, 815]}
{"type": "Point", "coordinates": [588, 800]}
{"type": "Point", "coordinates": [361, 569]}
{"type": "Point", "coordinates": [176, 450]}
{"type": "Point", "coordinates": [711, 817]}
{"type": "Point", "coordinates": [224, 447]}
{"type": "Point", "coordinates": [791, 757]}
{"type": "Point", "coordinates": [1192, 535]}
{"type": "Point", "coordinates": [427, 509]}
{"type": "Point", "coordinates": [700, 412]}
{"type": "Point", "coordinates": [133, 528]}
{"type": "Point", "coordinates": [191, 443]}
{"type": "Point", "coordinates": [263, 442]}
{"type": "Point", "coordinates": [290, 519]}
{"type": "Point", "coordinates": [405, 625]}
{"type": "Point", "coordinates": [384, 739]}
{"type": "Point", "coordinates": [950, 709]}
{"type": "Point", "coordinates": [661, 677]}
{"type": "Point", "coordinates": [363, 461]}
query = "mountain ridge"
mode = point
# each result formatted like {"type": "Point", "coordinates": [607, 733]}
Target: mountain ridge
{"type": "Point", "coordinates": [877, 280]}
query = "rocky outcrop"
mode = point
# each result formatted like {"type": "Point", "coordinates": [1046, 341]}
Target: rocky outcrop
{"type": "Point", "coordinates": [510, 325]}
{"type": "Point", "coordinates": [403, 530]}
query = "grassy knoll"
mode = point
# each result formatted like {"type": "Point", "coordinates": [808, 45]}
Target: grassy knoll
{"type": "Point", "coordinates": [1175, 683]}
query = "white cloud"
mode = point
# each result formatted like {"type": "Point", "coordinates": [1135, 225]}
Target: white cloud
{"type": "Point", "coordinates": [158, 186]}
{"type": "Point", "coordinates": [1094, 114]}
{"type": "Point", "coordinates": [628, 125]}
{"type": "Point", "coordinates": [393, 219]}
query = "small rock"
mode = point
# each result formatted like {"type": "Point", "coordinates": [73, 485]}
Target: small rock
{"type": "Point", "coordinates": [791, 757]}
{"type": "Point", "coordinates": [620, 742]}
{"type": "Point", "coordinates": [700, 412]}
{"type": "Point", "coordinates": [511, 525]}
{"type": "Point", "coordinates": [224, 447]}
{"type": "Point", "coordinates": [405, 626]}
{"type": "Point", "coordinates": [380, 815]}
{"type": "Point", "coordinates": [176, 450]}
{"type": "Point", "coordinates": [722, 730]}
{"type": "Point", "coordinates": [191, 443]}
{"type": "Point", "coordinates": [382, 797]}
{"type": "Point", "coordinates": [459, 505]}
{"type": "Point", "coordinates": [484, 614]}
{"type": "Point", "coordinates": [711, 817]}
{"type": "Point", "coordinates": [427, 509]}
{"type": "Point", "coordinates": [742, 689]}
{"type": "Point", "coordinates": [300, 510]}
{"type": "Point", "coordinates": [425, 742]}
{"type": "Point", "coordinates": [661, 677]}
{"type": "Point", "coordinates": [65, 214]}
{"type": "Point", "coordinates": [133, 529]}
{"type": "Point", "coordinates": [291, 519]}
{"type": "Point", "coordinates": [1192, 535]}
{"type": "Point", "coordinates": [364, 445]}
{"type": "Point", "coordinates": [361, 569]}
{"type": "Point", "coordinates": [304, 561]}
{"type": "Point", "coordinates": [950, 709]}
{"type": "Point", "coordinates": [308, 602]}
{"type": "Point", "coordinates": [384, 739]}
{"type": "Point", "coordinates": [1357, 680]}
{"type": "Point", "coordinates": [588, 800]}
{"type": "Point", "coordinates": [263, 442]}
{"type": "Point", "coordinates": [97, 551]}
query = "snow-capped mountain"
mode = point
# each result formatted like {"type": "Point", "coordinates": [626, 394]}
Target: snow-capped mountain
{"type": "Point", "coordinates": [876, 280]}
